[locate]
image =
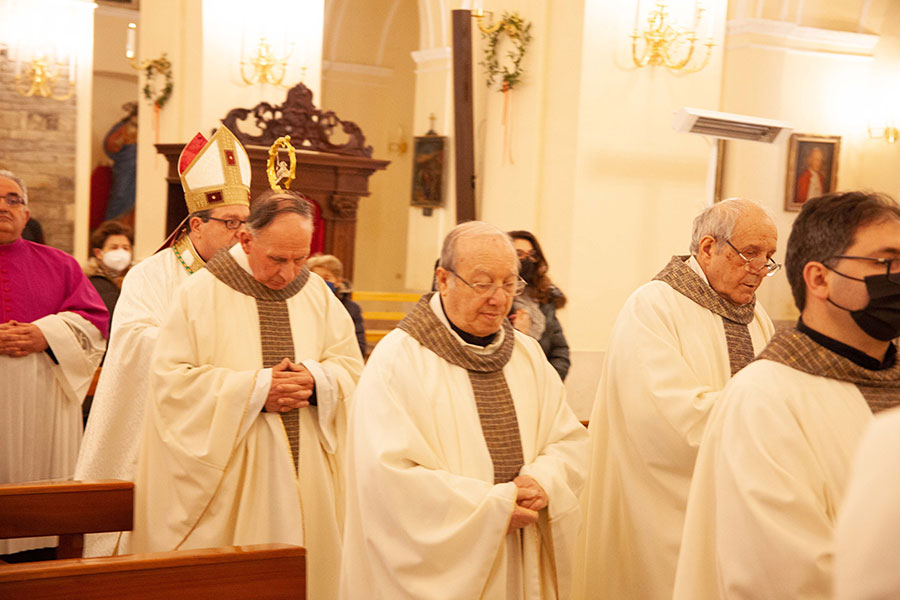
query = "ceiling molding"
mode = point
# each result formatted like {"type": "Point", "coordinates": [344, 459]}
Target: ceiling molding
{"type": "Point", "coordinates": [786, 34]}
{"type": "Point", "coordinates": [430, 54]}
{"type": "Point", "coordinates": [357, 69]}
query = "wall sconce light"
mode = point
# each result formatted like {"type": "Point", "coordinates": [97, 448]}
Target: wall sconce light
{"type": "Point", "coordinates": [43, 42]}
{"type": "Point", "coordinates": [479, 14]}
{"type": "Point", "coordinates": [398, 145]}
{"type": "Point", "coordinates": [41, 76]}
{"type": "Point", "coordinates": [888, 133]}
{"type": "Point", "coordinates": [266, 66]}
{"type": "Point", "coordinates": [665, 44]}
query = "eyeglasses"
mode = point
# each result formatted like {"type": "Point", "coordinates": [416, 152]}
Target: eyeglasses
{"type": "Point", "coordinates": [13, 199]}
{"type": "Point", "coordinates": [892, 266]}
{"type": "Point", "coordinates": [757, 264]}
{"type": "Point", "coordinates": [231, 224]}
{"type": "Point", "coordinates": [510, 288]}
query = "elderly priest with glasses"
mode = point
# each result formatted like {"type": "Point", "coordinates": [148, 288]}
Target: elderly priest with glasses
{"type": "Point", "coordinates": [774, 464]}
{"type": "Point", "coordinates": [675, 344]}
{"type": "Point", "coordinates": [465, 461]}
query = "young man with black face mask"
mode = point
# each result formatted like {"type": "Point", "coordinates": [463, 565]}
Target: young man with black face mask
{"type": "Point", "coordinates": [774, 461]}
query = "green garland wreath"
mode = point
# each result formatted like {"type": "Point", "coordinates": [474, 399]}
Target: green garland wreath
{"type": "Point", "coordinates": [519, 32]}
{"type": "Point", "coordinates": [162, 66]}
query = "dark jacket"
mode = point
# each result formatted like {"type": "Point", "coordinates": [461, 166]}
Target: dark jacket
{"type": "Point", "coordinates": [356, 314]}
{"type": "Point", "coordinates": [553, 341]}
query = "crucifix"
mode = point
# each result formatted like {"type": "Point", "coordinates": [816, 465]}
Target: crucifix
{"type": "Point", "coordinates": [463, 115]}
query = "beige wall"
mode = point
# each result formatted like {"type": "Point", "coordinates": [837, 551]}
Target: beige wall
{"type": "Point", "coordinates": [822, 83]}
{"type": "Point", "coordinates": [368, 78]}
{"type": "Point", "coordinates": [203, 40]}
{"type": "Point", "coordinates": [47, 141]}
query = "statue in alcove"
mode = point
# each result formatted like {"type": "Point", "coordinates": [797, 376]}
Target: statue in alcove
{"type": "Point", "coordinates": [120, 145]}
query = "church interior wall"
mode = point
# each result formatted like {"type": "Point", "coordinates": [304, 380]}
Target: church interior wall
{"type": "Point", "coordinates": [822, 82]}
{"type": "Point", "coordinates": [41, 138]}
{"type": "Point", "coordinates": [368, 78]}
{"type": "Point", "coordinates": [115, 82]}
{"type": "Point", "coordinates": [638, 183]}
{"type": "Point", "coordinates": [205, 48]}
{"type": "Point", "coordinates": [599, 174]}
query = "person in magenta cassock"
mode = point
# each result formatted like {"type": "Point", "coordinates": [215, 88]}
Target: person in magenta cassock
{"type": "Point", "coordinates": [53, 328]}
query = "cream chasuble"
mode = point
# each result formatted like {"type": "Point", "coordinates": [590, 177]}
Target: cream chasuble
{"type": "Point", "coordinates": [115, 428]}
{"type": "Point", "coordinates": [213, 469]}
{"type": "Point", "coordinates": [770, 477]}
{"type": "Point", "coordinates": [867, 537]}
{"type": "Point", "coordinates": [424, 516]}
{"type": "Point", "coordinates": [667, 363]}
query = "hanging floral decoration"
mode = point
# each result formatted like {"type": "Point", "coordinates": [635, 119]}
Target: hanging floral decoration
{"type": "Point", "coordinates": [519, 32]}
{"type": "Point", "coordinates": [159, 66]}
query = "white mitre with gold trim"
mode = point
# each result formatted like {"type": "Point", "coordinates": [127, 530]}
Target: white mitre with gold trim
{"type": "Point", "coordinates": [214, 173]}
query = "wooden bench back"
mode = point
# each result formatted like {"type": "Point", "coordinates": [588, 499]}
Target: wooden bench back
{"type": "Point", "coordinates": [71, 509]}
{"type": "Point", "coordinates": [68, 509]}
{"type": "Point", "coordinates": [267, 571]}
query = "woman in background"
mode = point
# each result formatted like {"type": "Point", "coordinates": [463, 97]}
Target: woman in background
{"type": "Point", "coordinates": [331, 269]}
{"type": "Point", "coordinates": [110, 260]}
{"type": "Point", "coordinates": [534, 312]}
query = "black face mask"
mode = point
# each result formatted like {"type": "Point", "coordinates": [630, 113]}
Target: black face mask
{"type": "Point", "coordinates": [880, 318]}
{"type": "Point", "coordinates": [527, 269]}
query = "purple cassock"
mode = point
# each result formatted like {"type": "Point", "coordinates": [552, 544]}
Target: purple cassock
{"type": "Point", "coordinates": [37, 280]}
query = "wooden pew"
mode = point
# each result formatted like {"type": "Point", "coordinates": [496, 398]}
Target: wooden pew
{"type": "Point", "coordinates": [382, 311]}
{"type": "Point", "coordinates": [65, 508]}
{"type": "Point", "coordinates": [267, 571]}
{"type": "Point", "coordinates": [73, 508]}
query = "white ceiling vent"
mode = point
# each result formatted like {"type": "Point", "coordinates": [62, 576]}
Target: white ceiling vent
{"type": "Point", "coordinates": [728, 126]}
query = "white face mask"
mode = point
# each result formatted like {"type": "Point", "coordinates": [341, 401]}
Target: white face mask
{"type": "Point", "coordinates": [117, 260]}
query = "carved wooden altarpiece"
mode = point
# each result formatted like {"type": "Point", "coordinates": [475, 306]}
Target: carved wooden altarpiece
{"type": "Point", "coordinates": [333, 173]}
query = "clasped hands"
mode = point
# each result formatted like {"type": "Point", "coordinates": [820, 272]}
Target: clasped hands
{"type": "Point", "coordinates": [292, 385]}
{"type": "Point", "coordinates": [530, 498]}
{"type": "Point", "coordinates": [21, 339]}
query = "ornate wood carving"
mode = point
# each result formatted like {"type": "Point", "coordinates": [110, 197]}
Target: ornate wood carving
{"type": "Point", "coordinates": [344, 207]}
{"type": "Point", "coordinates": [309, 127]}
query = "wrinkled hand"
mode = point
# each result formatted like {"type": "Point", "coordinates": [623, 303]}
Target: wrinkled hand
{"type": "Point", "coordinates": [530, 498]}
{"type": "Point", "coordinates": [21, 339]}
{"type": "Point", "coordinates": [292, 385]}
{"type": "Point", "coordinates": [530, 494]}
{"type": "Point", "coordinates": [521, 517]}
{"type": "Point", "coordinates": [521, 320]}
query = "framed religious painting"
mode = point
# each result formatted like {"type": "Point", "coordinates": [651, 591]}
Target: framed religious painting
{"type": "Point", "coordinates": [812, 168]}
{"type": "Point", "coordinates": [428, 172]}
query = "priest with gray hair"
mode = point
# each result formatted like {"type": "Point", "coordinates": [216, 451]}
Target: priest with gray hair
{"type": "Point", "coordinates": [465, 462]}
{"type": "Point", "coordinates": [250, 379]}
{"type": "Point", "coordinates": [675, 344]}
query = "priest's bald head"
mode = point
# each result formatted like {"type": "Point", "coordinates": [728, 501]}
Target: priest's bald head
{"type": "Point", "coordinates": [13, 207]}
{"type": "Point", "coordinates": [733, 241]}
{"type": "Point", "coordinates": [277, 237]}
{"type": "Point", "coordinates": [478, 277]}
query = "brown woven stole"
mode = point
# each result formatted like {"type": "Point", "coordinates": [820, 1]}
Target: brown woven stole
{"type": "Point", "coordinates": [793, 348]}
{"type": "Point", "coordinates": [687, 282]}
{"type": "Point", "coordinates": [496, 410]}
{"type": "Point", "coordinates": [274, 323]}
